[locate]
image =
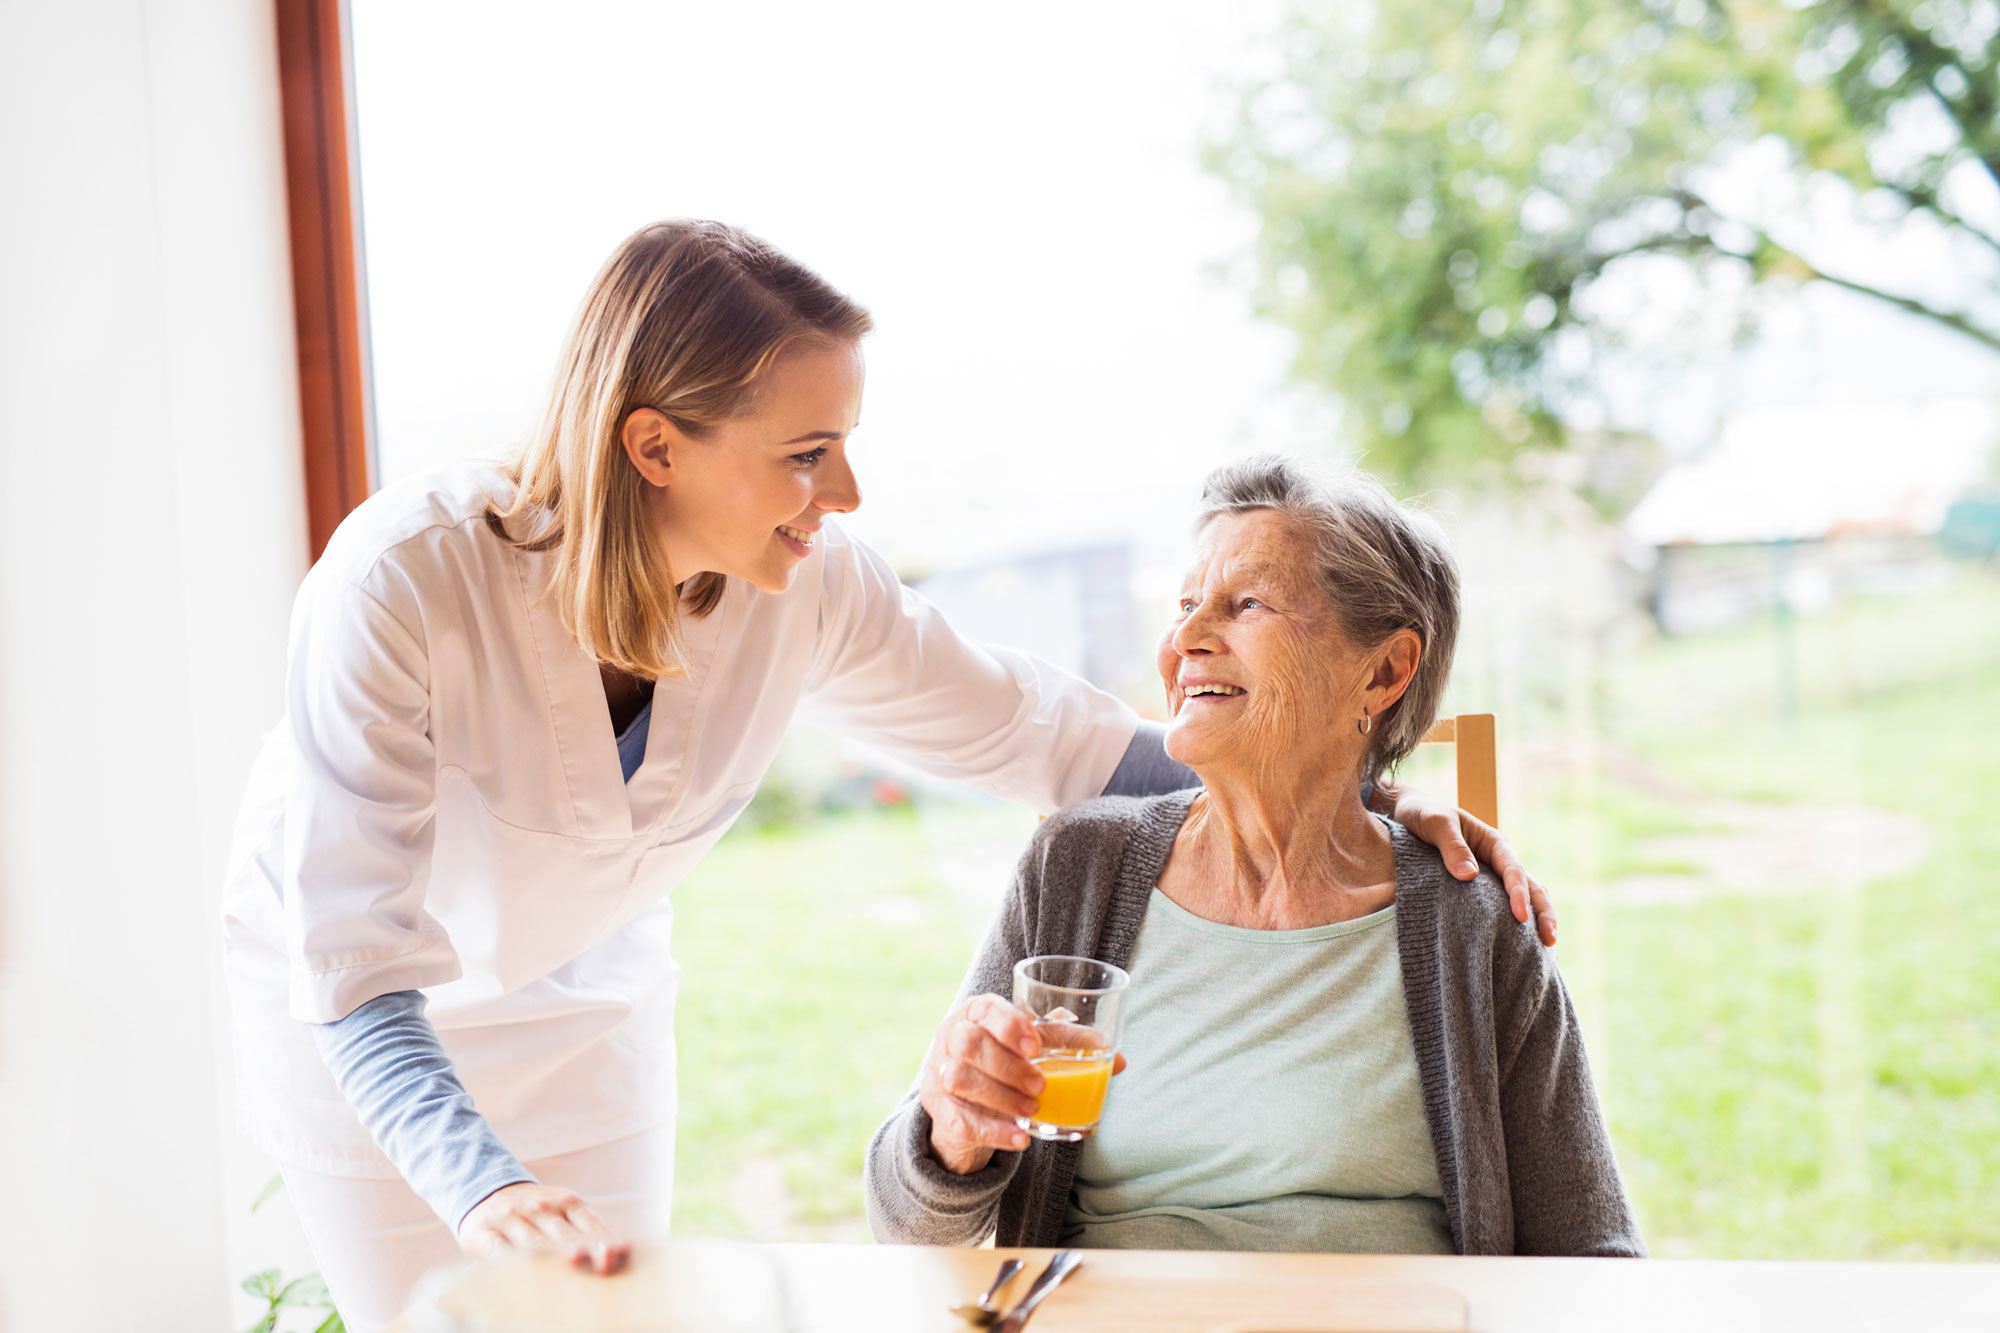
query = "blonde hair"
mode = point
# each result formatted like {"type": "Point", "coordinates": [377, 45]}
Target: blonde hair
{"type": "Point", "coordinates": [684, 318]}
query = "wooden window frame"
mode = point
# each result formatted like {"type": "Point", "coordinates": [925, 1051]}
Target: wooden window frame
{"type": "Point", "coordinates": [329, 288]}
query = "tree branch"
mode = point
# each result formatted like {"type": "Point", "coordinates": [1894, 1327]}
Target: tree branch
{"type": "Point", "coordinates": [1990, 161]}
{"type": "Point", "coordinates": [1951, 319]}
{"type": "Point", "coordinates": [1766, 247]}
{"type": "Point", "coordinates": [1922, 48]}
{"type": "Point", "coordinates": [1920, 196]}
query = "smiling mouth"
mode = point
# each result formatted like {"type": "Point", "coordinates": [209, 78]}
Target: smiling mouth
{"type": "Point", "coordinates": [799, 535]}
{"type": "Point", "coordinates": [1213, 691]}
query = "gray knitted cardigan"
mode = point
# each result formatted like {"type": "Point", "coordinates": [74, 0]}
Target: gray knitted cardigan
{"type": "Point", "coordinates": [1522, 1152]}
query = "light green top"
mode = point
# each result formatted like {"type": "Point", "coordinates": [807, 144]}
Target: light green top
{"type": "Point", "coordinates": [1272, 1099]}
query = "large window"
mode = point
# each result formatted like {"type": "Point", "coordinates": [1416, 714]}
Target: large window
{"type": "Point", "coordinates": [1747, 706]}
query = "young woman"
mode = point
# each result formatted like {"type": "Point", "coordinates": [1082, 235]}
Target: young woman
{"type": "Point", "coordinates": [523, 700]}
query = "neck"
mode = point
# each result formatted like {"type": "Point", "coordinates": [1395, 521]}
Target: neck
{"type": "Point", "coordinates": [1282, 850]}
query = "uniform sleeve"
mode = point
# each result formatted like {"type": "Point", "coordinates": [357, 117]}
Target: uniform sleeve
{"type": "Point", "coordinates": [890, 671]}
{"type": "Point", "coordinates": [360, 804]}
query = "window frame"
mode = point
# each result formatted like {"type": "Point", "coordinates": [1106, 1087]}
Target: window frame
{"type": "Point", "coordinates": [329, 287]}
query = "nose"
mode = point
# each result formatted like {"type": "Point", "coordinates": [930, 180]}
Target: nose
{"type": "Point", "coordinates": [1195, 635]}
{"type": "Point", "coordinates": [839, 492]}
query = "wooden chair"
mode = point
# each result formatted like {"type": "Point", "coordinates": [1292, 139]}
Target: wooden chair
{"type": "Point", "coordinates": [1478, 762]}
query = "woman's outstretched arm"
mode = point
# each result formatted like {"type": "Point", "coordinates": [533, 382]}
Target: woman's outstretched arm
{"type": "Point", "coordinates": [391, 1067]}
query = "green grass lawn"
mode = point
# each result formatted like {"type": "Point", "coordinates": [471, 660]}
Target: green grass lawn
{"type": "Point", "coordinates": [816, 964]}
{"type": "Point", "coordinates": [1819, 1075]}
{"type": "Point", "coordinates": [1812, 1074]}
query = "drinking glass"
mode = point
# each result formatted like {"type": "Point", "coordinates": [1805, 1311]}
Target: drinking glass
{"type": "Point", "coordinates": [1078, 1005]}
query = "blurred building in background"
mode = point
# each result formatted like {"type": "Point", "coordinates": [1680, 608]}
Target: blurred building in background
{"type": "Point", "coordinates": [1798, 507]}
{"type": "Point", "coordinates": [1075, 607]}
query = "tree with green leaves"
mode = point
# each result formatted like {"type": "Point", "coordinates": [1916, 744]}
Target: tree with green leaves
{"type": "Point", "coordinates": [1448, 188]}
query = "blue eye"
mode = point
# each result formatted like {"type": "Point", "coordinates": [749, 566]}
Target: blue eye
{"type": "Point", "coordinates": [808, 458]}
{"type": "Point", "coordinates": [1249, 602]}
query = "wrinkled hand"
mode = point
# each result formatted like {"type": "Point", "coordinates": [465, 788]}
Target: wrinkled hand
{"type": "Point", "coordinates": [1460, 839]}
{"type": "Point", "coordinates": [528, 1218]}
{"type": "Point", "coordinates": [978, 1076]}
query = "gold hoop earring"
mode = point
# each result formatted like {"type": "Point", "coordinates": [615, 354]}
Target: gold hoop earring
{"type": "Point", "coordinates": [1365, 725]}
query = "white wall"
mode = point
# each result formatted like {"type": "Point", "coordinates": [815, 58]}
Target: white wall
{"type": "Point", "coordinates": [151, 534]}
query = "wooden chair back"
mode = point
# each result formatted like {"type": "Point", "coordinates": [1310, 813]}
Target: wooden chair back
{"type": "Point", "coordinates": [1471, 734]}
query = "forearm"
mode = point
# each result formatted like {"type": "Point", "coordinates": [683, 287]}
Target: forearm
{"type": "Point", "coordinates": [391, 1067]}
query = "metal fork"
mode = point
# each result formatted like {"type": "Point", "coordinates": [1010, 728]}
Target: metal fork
{"type": "Point", "coordinates": [1060, 1267]}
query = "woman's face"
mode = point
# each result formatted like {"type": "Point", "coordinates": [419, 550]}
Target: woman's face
{"type": "Point", "coordinates": [747, 499]}
{"type": "Point", "coordinates": [1256, 669]}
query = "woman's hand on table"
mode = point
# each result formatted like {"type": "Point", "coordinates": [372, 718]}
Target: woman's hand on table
{"type": "Point", "coordinates": [1463, 842]}
{"type": "Point", "coordinates": [978, 1076]}
{"type": "Point", "coordinates": [528, 1218]}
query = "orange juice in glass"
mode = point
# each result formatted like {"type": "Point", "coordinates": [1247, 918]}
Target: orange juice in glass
{"type": "Point", "coordinates": [1077, 1005]}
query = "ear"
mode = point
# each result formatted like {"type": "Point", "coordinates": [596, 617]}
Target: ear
{"type": "Point", "coordinates": [652, 441]}
{"type": "Point", "coordinates": [1395, 666]}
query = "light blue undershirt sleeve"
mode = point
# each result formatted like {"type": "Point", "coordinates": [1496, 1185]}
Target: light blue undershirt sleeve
{"type": "Point", "coordinates": [1148, 770]}
{"type": "Point", "coordinates": [391, 1067]}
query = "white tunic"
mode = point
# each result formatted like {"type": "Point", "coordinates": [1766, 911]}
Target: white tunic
{"type": "Point", "coordinates": [442, 807]}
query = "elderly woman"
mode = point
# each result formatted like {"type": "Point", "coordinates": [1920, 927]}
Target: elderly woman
{"type": "Point", "coordinates": [1333, 1046]}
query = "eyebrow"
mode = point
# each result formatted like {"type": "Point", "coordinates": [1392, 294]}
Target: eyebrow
{"type": "Point", "coordinates": [818, 435]}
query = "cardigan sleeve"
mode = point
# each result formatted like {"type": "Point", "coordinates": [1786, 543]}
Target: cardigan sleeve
{"type": "Point", "coordinates": [911, 1197]}
{"type": "Point", "coordinates": [1568, 1196]}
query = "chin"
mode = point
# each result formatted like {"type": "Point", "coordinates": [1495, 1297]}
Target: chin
{"type": "Point", "coordinates": [1182, 747]}
{"type": "Point", "coordinates": [773, 581]}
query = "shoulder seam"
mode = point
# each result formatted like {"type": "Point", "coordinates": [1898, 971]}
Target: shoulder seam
{"type": "Point", "coordinates": [416, 640]}
{"type": "Point", "coordinates": [375, 561]}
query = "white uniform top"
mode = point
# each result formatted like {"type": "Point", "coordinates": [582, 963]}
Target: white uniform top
{"type": "Point", "coordinates": [442, 807]}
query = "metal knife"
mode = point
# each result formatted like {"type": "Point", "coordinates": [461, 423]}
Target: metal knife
{"type": "Point", "coordinates": [1060, 1267]}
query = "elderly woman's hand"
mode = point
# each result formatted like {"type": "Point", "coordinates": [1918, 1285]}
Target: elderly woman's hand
{"type": "Point", "coordinates": [1459, 839]}
{"type": "Point", "coordinates": [978, 1076]}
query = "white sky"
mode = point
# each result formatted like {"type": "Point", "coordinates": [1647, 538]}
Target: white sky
{"type": "Point", "coordinates": [1014, 191]}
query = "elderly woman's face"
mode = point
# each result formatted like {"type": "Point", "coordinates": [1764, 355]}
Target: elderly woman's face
{"type": "Point", "coordinates": [1254, 663]}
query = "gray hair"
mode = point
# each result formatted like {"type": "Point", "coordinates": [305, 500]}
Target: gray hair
{"type": "Point", "coordinates": [1382, 566]}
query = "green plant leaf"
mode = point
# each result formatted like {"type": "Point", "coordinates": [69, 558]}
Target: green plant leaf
{"type": "Point", "coordinates": [308, 1292]}
{"type": "Point", "coordinates": [275, 1185]}
{"type": "Point", "coordinates": [262, 1284]}
{"type": "Point", "coordinates": [333, 1324]}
